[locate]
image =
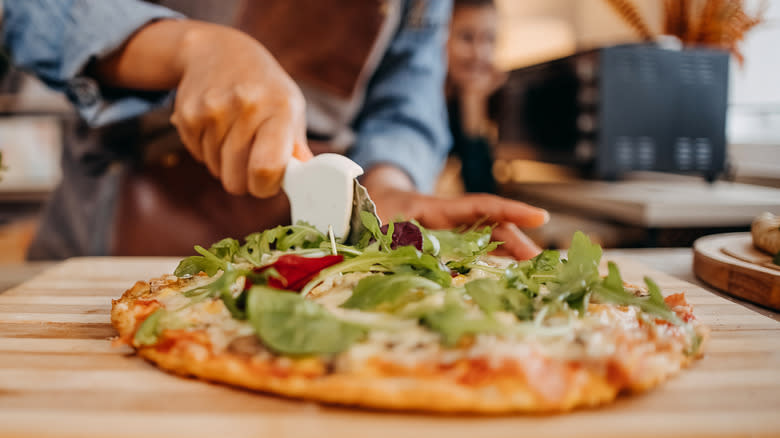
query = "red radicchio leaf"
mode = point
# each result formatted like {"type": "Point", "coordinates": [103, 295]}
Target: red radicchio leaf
{"type": "Point", "coordinates": [295, 270]}
{"type": "Point", "coordinates": [405, 234]}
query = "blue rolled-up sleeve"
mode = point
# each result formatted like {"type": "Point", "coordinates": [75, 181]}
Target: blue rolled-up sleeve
{"type": "Point", "coordinates": [57, 39]}
{"type": "Point", "coordinates": [403, 121]}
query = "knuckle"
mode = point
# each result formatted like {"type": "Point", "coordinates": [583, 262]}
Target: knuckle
{"type": "Point", "coordinates": [247, 95]}
{"type": "Point", "coordinates": [186, 115]}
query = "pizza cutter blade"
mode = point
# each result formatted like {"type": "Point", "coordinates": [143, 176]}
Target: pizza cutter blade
{"type": "Point", "coordinates": [324, 192]}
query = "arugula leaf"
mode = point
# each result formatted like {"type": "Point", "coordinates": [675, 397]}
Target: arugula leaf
{"type": "Point", "coordinates": [221, 287]}
{"type": "Point", "coordinates": [576, 276]}
{"type": "Point", "coordinates": [776, 259]}
{"type": "Point", "coordinates": [300, 236]}
{"type": "Point", "coordinates": [455, 244]}
{"type": "Point", "coordinates": [546, 263]}
{"type": "Point", "coordinates": [282, 238]}
{"type": "Point", "coordinates": [530, 274]}
{"type": "Point", "coordinates": [388, 292]}
{"type": "Point", "coordinates": [397, 260]}
{"type": "Point", "coordinates": [611, 290]}
{"type": "Point", "coordinates": [193, 265]}
{"type": "Point", "coordinates": [452, 321]}
{"type": "Point", "coordinates": [225, 249]}
{"type": "Point", "coordinates": [210, 261]}
{"type": "Point", "coordinates": [431, 244]}
{"type": "Point", "coordinates": [373, 226]}
{"type": "Point", "coordinates": [492, 296]}
{"type": "Point", "coordinates": [582, 264]}
{"type": "Point", "coordinates": [289, 324]}
{"type": "Point", "coordinates": [149, 331]}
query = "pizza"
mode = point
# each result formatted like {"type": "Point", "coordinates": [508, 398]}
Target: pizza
{"type": "Point", "coordinates": [407, 318]}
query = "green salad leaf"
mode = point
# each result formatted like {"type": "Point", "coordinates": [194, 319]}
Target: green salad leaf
{"type": "Point", "coordinates": [388, 292]}
{"type": "Point", "coordinates": [300, 236]}
{"type": "Point", "coordinates": [147, 334]}
{"type": "Point", "coordinates": [612, 290]}
{"type": "Point", "coordinates": [453, 320]}
{"type": "Point", "coordinates": [406, 282]}
{"type": "Point", "coordinates": [402, 259]}
{"type": "Point", "coordinates": [289, 324]}
{"type": "Point", "coordinates": [493, 295]}
{"type": "Point", "coordinates": [193, 265]}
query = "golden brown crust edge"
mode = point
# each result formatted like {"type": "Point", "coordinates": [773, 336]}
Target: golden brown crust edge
{"type": "Point", "coordinates": [381, 392]}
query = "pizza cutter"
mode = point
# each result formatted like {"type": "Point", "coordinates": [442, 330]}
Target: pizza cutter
{"type": "Point", "coordinates": [325, 193]}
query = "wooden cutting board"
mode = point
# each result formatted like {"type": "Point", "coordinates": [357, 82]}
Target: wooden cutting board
{"type": "Point", "coordinates": [60, 377]}
{"type": "Point", "coordinates": [731, 263]}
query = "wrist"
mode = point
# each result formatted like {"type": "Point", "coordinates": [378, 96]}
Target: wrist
{"type": "Point", "coordinates": [474, 117]}
{"type": "Point", "coordinates": [384, 178]}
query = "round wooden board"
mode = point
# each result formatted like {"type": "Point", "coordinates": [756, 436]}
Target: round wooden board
{"type": "Point", "coordinates": [730, 263]}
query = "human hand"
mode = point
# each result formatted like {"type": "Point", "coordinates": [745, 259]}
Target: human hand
{"type": "Point", "coordinates": [237, 110]}
{"type": "Point", "coordinates": [394, 199]}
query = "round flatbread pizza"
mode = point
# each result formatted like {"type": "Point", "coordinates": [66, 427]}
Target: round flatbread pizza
{"type": "Point", "coordinates": [409, 319]}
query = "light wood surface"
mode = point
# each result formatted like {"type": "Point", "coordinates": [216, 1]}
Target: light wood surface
{"type": "Point", "coordinates": [59, 376]}
{"type": "Point", "coordinates": [666, 203]}
{"type": "Point", "coordinates": [728, 262]}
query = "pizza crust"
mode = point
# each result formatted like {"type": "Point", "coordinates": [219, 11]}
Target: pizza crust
{"type": "Point", "coordinates": [385, 387]}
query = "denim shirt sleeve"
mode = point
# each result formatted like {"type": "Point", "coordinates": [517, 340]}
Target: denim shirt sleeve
{"type": "Point", "coordinates": [403, 121]}
{"type": "Point", "coordinates": [56, 40]}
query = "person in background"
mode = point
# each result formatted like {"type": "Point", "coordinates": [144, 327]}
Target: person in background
{"type": "Point", "coordinates": [471, 80]}
{"type": "Point", "coordinates": [248, 97]}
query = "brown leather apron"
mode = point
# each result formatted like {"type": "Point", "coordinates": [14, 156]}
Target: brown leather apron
{"type": "Point", "coordinates": [168, 202]}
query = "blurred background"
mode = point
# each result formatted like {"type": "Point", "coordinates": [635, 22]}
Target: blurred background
{"type": "Point", "coordinates": [572, 132]}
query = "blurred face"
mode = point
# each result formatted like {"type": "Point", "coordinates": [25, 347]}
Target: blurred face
{"type": "Point", "coordinates": [472, 43]}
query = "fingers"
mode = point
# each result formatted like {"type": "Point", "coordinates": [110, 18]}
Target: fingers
{"type": "Point", "coordinates": [474, 208]}
{"type": "Point", "coordinates": [516, 243]}
{"type": "Point", "coordinates": [202, 125]}
{"type": "Point", "coordinates": [271, 150]}
{"type": "Point", "coordinates": [189, 132]}
{"type": "Point", "coordinates": [236, 149]}
{"type": "Point", "coordinates": [218, 116]}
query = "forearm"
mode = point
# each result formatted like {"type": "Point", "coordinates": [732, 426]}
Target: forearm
{"type": "Point", "coordinates": [155, 57]}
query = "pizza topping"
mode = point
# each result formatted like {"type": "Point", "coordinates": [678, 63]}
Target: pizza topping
{"type": "Point", "coordinates": [388, 292]}
{"type": "Point", "coordinates": [289, 324]}
{"type": "Point", "coordinates": [149, 330]}
{"type": "Point", "coordinates": [404, 234]}
{"type": "Point", "coordinates": [399, 285]}
{"type": "Point", "coordinates": [247, 345]}
{"type": "Point", "coordinates": [294, 271]}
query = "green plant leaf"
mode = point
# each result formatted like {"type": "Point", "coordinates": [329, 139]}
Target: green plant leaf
{"type": "Point", "coordinates": [493, 296]}
{"type": "Point", "coordinates": [225, 249]}
{"type": "Point", "coordinates": [612, 290]}
{"type": "Point", "coordinates": [193, 265]}
{"type": "Point", "coordinates": [387, 293]}
{"type": "Point", "coordinates": [289, 324]}
{"type": "Point", "coordinates": [149, 331]}
{"type": "Point", "coordinates": [397, 260]}
{"type": "Point", "coordinates": [452, 321]}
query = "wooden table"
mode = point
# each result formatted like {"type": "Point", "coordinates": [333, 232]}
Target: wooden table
{"type": "Point", "coordinates": [59, 376]}
{"type": "Point", "coordinates": [669, 202]}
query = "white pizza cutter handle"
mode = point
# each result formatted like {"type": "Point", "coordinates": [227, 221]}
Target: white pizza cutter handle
{"type": "Point", "coordinates": [321, 191]}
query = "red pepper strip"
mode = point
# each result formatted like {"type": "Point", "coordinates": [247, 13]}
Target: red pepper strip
{"type": "Point", "coordinates": [295, 270]}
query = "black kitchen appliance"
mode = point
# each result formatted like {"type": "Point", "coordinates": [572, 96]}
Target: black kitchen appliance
{"type": "Point", "coordinates": [623, 108]}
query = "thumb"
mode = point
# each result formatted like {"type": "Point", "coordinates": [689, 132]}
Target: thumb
{"type": "Point", "coordinates": [301, 151]}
